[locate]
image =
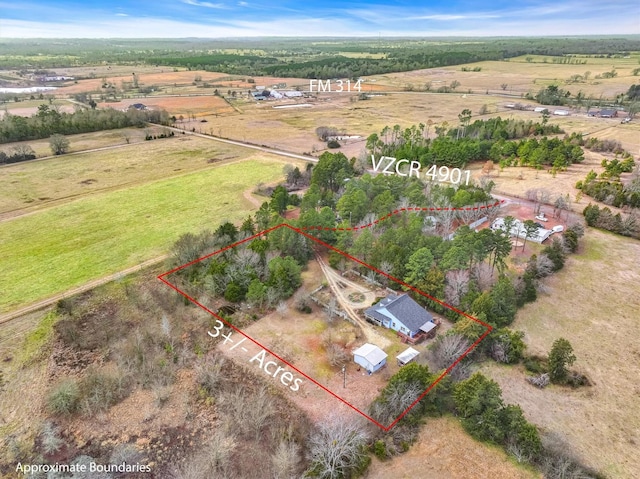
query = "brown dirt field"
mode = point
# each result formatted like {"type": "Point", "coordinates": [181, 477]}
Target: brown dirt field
{"type": "Point", "coordinates": [198, 105]}
{"type": "Point", "coordinates": [444, 450]}
{"type": "Point", "coordinates": [594, 304]}
{"type": "Point", "coordinates": [157, 76]}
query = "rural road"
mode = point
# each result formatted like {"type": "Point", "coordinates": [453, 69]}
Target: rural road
{"type": "Point", "coordinates": [264, 149]}
{"type": "Point", "coordinates": [6, 317]}
{"type": "Point", "coordinates": [333, 278]}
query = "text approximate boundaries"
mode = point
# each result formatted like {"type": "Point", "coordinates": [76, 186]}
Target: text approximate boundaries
{"type": "Point", "coordinates": [489, 328]}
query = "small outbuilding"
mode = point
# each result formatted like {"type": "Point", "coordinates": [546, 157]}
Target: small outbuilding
{"type": "Point", "coordinates": [406, 356]}
{"type": "Point", "coordinates": [370, 357]}
{"type": "Point", "coordinates": [608, 113]}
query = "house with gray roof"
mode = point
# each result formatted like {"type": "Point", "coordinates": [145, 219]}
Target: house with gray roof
{"type": "Point", "coordinates": [401, 313]}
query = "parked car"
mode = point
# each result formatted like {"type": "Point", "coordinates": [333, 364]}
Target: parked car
{"type": "Point", "coordinates": [626, 120]}
{"type": "Point", "coordinates": [542, 217]}
{"type": "Point", "coordinates": [558, 229]}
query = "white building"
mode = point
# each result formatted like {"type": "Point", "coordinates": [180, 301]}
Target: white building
{"type": "Point", "coordinates": [518, 230]}
{"type": "Point", "coordinates": [370, 357]}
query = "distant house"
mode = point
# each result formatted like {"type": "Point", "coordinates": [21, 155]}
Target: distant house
{"type": "Point", "coordinates": [540, 109]}
{"type": "Point", "coordinates": [260, 95]}
{"type": "Point", "coordinates": [292, 94]}
{"type": "Point", "coordinates": [370, 357]}
{"type": "Point", "coordinates": [518, 230]}
{"type": "Point", "coordinates": [402, 314]}
{"type": "Point", "coordinates": [593, 113]}
{"type": "Point", "coordinates": [137, 106]}
{"type": "Point", "coordinates": [561, 112]}
{"type": "Point", "coordinates": [608, 113]}
{"type": "Point", "coordinates": [407, 356]}
{"type": "Point", "coordinates": [276, 94]}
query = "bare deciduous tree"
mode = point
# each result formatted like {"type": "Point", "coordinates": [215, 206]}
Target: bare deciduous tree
{"type": "Point", "coordinates": [447, 349]}
{"type": "Point", "coordinates": [457, 285]}
{"type": "Point", "coordinates": [285, 460]}
{"type": "Point", "coordinates": [336, 448]}
{"type": "Point", "coordinates": [331, 308]}
{"type": "Point", "coordinates": [483, 274]}
{"type": "Point", "coordinates": [250, 411]}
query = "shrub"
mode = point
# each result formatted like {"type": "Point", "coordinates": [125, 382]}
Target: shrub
{"type": "Point", "coordinates": [333, 144]}
{"type": "Point", "coordinates": [100, 390]}
{"type": "Point", "coordinates": [535, 364]}
{"type": "Point", "coordinates": [64, 397]}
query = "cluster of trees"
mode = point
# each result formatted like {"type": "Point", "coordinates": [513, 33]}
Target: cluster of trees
{"type": "Point", "coordinates": [552, 95]}
{"type": "Point", "coordinates": [603, 218]}
{"type": "Point", "coordinates": [554, 152]}
{"type": "Point", "coordinates": [609, 189]}
{"type": "Point", "coordinates": [457, 146]}
{"type": "Point", "coordinates": [262, 272]}
{"type": "Point", "coordinates": [17, 154]}
{"type": "Point", "coordinates": [48, 121]}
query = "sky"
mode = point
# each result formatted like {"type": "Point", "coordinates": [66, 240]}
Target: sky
{"type": "Point", "coordinates": [254, 18]}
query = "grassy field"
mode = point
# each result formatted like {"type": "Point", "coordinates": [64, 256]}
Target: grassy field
{"type": "Point", "coordinates": [88, 141]}
{"type": "Point", "coordinates": [593, 303]}
{"type": "Point", "coordinates": [444, 450]}
{"type": "Point", "coordinates": [32, 185]}
{"type": "Point", "coordinates": [62, 247]}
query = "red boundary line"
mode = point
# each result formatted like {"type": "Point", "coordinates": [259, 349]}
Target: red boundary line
{"type": "Point", "coordinates": [489, 328]}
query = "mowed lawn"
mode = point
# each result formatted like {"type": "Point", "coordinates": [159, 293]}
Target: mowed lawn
{"type": "Point", "coordinates": [59, 248]}
{"type": "Point", "coordinates": [594, 303]}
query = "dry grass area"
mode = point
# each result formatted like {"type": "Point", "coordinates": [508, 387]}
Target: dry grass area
{"type": "Point", "coordinates": [594, 304]}
{"type": "Point", "coordinates": [31, 185]}
{"type": "Point", "coordinates": [88, 141]}
{"type": "Point", "coordinates": [444, 451]}
{"type": "Point", "coordinates": [167, 79]}
{"type": "Point", "coordinates": [518, 179]}
{"type": "Point", "coordinates": [294, 129]}
{"type": "Point", "coordinates": [522, 76]}
{"type": "Point", "coordinates": [177, 105]}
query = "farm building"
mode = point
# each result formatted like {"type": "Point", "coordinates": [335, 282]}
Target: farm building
{"type": "Point", "coordinates": [406, 356]}
{"type": "Point", "coordinates": [260, 95]}
{"type": "Point", "coordinates": [138, 106]}
{"type": "Point", "coordinates": [402, 314]}
{"type": "Point", "coordinates": [370, 357]}
{"type": "Point", "coordinates": [561, 112]}
{"type": "Point", "coordinates": [540, 109]}
{"type": "Point", "coordinates": [518, 230]}
{"type": "Point", "coordinates": [608, 113]}
{"type": "Point", "coordinates": [292, 94]}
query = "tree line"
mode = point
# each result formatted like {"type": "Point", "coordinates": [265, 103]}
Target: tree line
{"type": "Point", "coordinates": [48, 121]}
{"type": "Point", "coordinates": [456, 146]}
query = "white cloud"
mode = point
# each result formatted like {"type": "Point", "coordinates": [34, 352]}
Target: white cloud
{"type": "Point", "coordinates": [243, 4]}
{"type": "Point", "coordinates": [121, 15]}
{"type": "Point", "coordinates": [198, 3]}
{"type": "Point", "coordinates": [442, 17]}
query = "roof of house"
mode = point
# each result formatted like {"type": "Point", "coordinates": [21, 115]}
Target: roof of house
{"type": "Point", "coordinates": [407, 355]}
{"type": "Point", "coordinates": [401, 308]}
{"type": "Point", "coordinates": [371, 353]}
{"type": "Point", "coordinates": [607, 112]}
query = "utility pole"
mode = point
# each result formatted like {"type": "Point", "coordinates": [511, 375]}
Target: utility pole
{"type": "Point", "coordinates": [344, 376]}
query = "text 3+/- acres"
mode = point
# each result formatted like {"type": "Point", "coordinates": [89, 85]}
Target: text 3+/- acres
{"type": "Point", "coordinates": [268, 367]}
